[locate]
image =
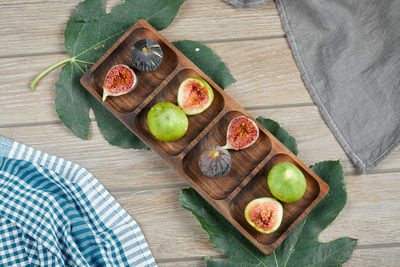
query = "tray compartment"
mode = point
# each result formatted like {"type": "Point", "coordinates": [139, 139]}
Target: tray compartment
{"type": "Point", "coordinates": [258, 187]}
{"type": "Point", "coordinates": [147, 81]}
{"type": "Point", "coordinates": [243, 161]}
{"type": "Point", "coordinates": [196, 122]}
{"type": "Point", "coordinates": [247, 178]}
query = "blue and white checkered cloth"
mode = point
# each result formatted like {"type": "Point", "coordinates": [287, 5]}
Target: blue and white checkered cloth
{"type": "Point", "coordinates": [55, 213]}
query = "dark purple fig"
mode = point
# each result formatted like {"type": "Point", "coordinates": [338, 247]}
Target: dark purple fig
{"type": "Point", "coordinates": [215, 161]}
{"type": "Point", "coordinates": [146, 55]}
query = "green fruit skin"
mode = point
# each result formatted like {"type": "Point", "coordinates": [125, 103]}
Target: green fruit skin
{"type": "Point", "coordinates": [263, 199]}
{"type": "Point", "coordinates": [167, 122]}
{"type": "Point", "coordinates": [286, 182]}
{"type": "Point", "coordinates": [180, 95]}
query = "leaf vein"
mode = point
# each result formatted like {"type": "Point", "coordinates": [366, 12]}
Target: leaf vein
{"type": "Point", "coordinates": [276, 261]}
{"type": "Point", "coordinates": [79, 67]}
{"type": "Point", "coordinates": [160, 10]}
{"type": "Point", "coordinates": [334, 252]}
{"type": "Point", "coordinates": [80, 33]}
{"type": "Point", "coordinates": [234, 237]}
{"type": "Point", "coordinates": [297, 240]}
{"type": "Point", "coordinates": [99, 43]}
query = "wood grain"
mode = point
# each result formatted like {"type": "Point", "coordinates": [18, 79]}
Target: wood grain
{"type": "Point", "coordinates": [265, 72]}
{"type": "Point", "coordinates": [195, 21]}
{"type": "Point", "coordinates": [388, 257]}
{"type": "Point", "coordinates": [315, 142]}
{"type": "Point", "coordinates": [182, 154]}
{"type": "Point", "coordinates": [369, 219]}
{"type": "Point", "coordinates": [372, 257]}
{"type": "Point", "coordinates": [183, 262]}
{"type": "Point", "coordinates": [280, 95]}
{"type": "Point", "coordinates": [371, 213]}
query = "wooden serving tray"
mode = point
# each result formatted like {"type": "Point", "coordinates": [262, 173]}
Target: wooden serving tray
{"type": "Point", "coordinates": [247, 177]}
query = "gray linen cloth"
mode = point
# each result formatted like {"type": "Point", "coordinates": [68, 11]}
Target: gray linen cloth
{"type": "Point", "coordinates": [246, 3]}
{"type": "Point", "coordinates": [348, 53]}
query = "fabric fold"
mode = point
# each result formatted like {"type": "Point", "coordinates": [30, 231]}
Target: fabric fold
{"type": "Point", "coordinates": [55, 213]}
{"type": "Point", "coordinates": [348, 54]}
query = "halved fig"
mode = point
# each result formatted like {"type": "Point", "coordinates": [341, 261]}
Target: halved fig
{"type": "Point", "coordinates": [264, 214]}
{"type": "Point", "coordinates": [119, 80]}
{"type": "Point", "coordinates": [215, 162]}
{"type": "Point", "coordinates": [195, 95]}
{"type": "Point", "coordinates": [242, 133]}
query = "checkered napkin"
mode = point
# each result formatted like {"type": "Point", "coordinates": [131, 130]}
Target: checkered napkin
{"type": "Point", "coordinates": [55, 213]}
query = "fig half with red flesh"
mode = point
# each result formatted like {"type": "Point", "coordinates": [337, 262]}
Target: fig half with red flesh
{"type": "Point", "coordinates": [194, 95]}
{"type": "Point", "coordinates": [264, 214]}
{"type": "Point", "coordinates": [242, 133]}
{"type": "Point", "coordinates": [120, 80]}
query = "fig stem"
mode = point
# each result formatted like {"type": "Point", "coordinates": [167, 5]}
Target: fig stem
{"type": "Point", "coordinates": [227, 146]}
{"type": "Point", "coordinates": [43, 73]}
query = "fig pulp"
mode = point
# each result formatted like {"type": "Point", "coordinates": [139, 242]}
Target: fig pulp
{"type": "Point", "coordinates": [119, 80]}
{"type": "Point", "coordinates": [215, 161]}
{"type": "Point", "coordinates": [167, 122]}
{"type": "Point", "coordinates": [195, 95]}
{"type": "Point", "coordinates": [264, 214]}
{"type": "Point", "coordinates": [146, 55]}
{"type": "Point", "coordinates": [286, 182]}
{"type": "Point", "coordinates": [242, 133]}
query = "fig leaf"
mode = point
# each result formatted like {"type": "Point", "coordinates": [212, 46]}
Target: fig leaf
{"type": "Point", "coordinates": [89, 33]}
{"type": "Point", "coordinates": [281, 134]}
{"type": "Point", "coordinates": [72, 105]}
{"type": "Point", "coordinates": [113, 130]}
{"type": "Point", "coordinates": [301, 248]}
{"type": "Point", "coordinates": [207, 61]}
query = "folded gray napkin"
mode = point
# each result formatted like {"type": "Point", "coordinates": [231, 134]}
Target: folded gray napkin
{"type": "Point", "coordinates": [246, 3]}
{"type": "Point", "coordinates": [348, 53]}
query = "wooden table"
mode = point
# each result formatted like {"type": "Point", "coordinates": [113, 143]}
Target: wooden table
{"type": "Point", "coordinates": [253, 45]}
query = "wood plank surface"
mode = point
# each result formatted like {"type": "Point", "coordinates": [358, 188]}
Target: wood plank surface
{"type": "Point", "coordinates": [315, 140]}
{"type": "Point", "coordinates": [37, 27]}
{"type": "Point", "coordinates": [373, 257]}
{"type": "Point", "coordinates": [315, 143]}
{"type": "Point", "coordinates": [360, 218]}
{"type": "Point", "coordinates": [265, 71]}
{"type": "Point", "coordinates": [251, 43]}
{"type": "Point", "coordinates": [189, 262]}
{"type": "Point", "coordinates": [388, 257]}
{"type": "Point", "coordinates": [141, 179]}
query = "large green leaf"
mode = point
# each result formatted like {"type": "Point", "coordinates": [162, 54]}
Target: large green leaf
{"type": "Point", "coordinates": [69, 95]}
{"type": "Point", "coordinates": [89, 34]}
{"type": "Point", "coordinates": [207, 61]}
{"type": "Point", "coordinates": [113, 130]}
{"type": "Point", "coordinates": [281, 134]}
{"type": "Point", "coordinates": [300, 248]}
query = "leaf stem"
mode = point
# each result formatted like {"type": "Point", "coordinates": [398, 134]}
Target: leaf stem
{"type": "Point", "coordinates": [43, 73]}
{"type": "Point", "coordinates": [83, 61]}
